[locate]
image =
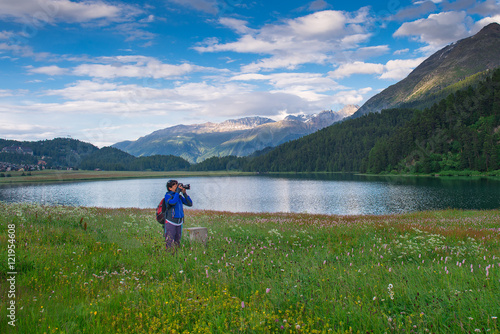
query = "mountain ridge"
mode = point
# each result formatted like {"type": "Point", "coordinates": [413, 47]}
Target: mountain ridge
{"type": "Point", "coordinates": [239, 137]}
{"type": "Point", "coordinates": [451, 64]}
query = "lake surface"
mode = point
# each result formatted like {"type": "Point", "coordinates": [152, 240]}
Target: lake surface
{"type": "Point", "coordinates": [344, 194]}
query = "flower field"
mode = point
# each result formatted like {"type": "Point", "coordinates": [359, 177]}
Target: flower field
{"type": "Point", "coordinates": [90, 270]}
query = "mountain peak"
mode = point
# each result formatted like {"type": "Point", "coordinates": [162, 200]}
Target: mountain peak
{"type": "Point", "coordinates": [490, 28]}
{"type": "Point", "coordinates": [435, 76]}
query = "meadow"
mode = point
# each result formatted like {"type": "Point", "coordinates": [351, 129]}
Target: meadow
{"type": "Point", "coordinates": [94, 270]}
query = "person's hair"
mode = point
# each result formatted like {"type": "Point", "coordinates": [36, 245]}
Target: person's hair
{"type": "Point", "coordinates": [171, 183]}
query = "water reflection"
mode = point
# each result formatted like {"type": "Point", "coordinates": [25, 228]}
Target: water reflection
{"type": "Point", "coordinates": [312, 193]}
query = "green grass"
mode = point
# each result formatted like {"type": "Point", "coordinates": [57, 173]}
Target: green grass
{"type": "Point", "coordinates": [89, 270]}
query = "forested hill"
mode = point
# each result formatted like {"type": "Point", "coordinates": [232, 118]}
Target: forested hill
{"type": "Point", "coordinates": [56, 153]}
{"type": "Point", "coordinates": [71, 153]}
{"type": "Point", "coordinates": [460, 132]}
{"type": "Point", "coordinates": [109, 158]}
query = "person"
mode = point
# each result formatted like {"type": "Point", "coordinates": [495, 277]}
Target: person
{"type": "Point", "coordinates": [174, 218]}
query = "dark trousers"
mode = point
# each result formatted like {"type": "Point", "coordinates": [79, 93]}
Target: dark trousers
{"type": "Point", "coordinates": [172, 235]}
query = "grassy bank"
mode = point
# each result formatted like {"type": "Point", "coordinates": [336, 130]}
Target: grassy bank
{"type": "Point", "coordinates": [89, 270]}
{"type": "Point", "coordinates": [83, 175]}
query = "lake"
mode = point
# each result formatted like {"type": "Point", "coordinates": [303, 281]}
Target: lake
{"type": "Point", "coordinates": [344, 194]}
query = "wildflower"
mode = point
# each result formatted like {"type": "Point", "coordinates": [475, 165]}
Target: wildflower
{"type": "Point", "coordinates": [268, 290]}
{"type": "Point", "coordinates": [180, 272]}
{"type": "Point", "coordinates": [297, 327]}
{"type": "Point", "coordinates": [242, 304]}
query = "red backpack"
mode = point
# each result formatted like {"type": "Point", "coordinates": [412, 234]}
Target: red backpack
{"type": "Point", "coordinates": [161, 210]}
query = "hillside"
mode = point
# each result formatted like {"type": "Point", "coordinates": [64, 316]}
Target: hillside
{"type": "Point", "coordinates": [54, 153]}
{"type": "Point", "coordinates": [453, 67]}
{"type": "Point", "coordinates": [238, 137]}
{"type": "Point", "coordinates": [461, 132]}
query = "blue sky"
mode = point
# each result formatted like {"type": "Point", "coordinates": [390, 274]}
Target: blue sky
{"type": "Point", "coordinates": [107, 71]}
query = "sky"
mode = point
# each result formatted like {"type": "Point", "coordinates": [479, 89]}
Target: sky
{"type": "Point", "coordinates": [107, 71]}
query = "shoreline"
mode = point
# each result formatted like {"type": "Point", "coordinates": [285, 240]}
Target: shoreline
{"type": "Point", "coordinates": [85, 175]}
{"type": "Point", "coordinates": [47, 176]}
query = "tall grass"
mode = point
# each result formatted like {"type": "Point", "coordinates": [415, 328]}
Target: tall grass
{"type": "Point", "coordinates": [89, 270]}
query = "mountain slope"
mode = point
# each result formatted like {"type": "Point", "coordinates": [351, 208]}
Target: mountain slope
{"type": "Point", "coordinates": [449, 66]}
{"type": "Point", "coordinates": [240, 137]}
{"type": "Point", "coordinates": [461, 132]}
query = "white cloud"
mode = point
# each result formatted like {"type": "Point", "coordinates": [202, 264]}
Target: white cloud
{"type": "Point", "coordinates": [398, 69]}
{"type": "Point", "coordinates": [6, 34]}
{"type": "Point", "coordinates": [23, 50]}
{"type": "Point", "coordinates": [307, 86]}
{"type": "Point", "coordinates": [124, 67]}
{"type": "Point", "coordinates": [240, 26]}
{"type": "Point", "coordinates": [41, 12]}
{"type": "Point", "coordinates": [437, 30]}
{"type": "Point", "coordinates": [314, 38]}
{"type": "Point", "coordinates": [354, 96]}
{"type": "Point", "coordinates": [5, 92]}
{"type": "Point", "coordinates": [358, 67]}
{"type": "Point", "coordinates": [393, 70]}
{"type": "Point", "coordinates": [49, 70]}
{"type": "Point", "coordinates": [293, 93]}
{"type": "Point", "coordinates": [10, 129]}
{"type": "Point", "coordinates": [401, 51]}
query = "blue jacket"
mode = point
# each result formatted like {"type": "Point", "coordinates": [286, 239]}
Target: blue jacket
{"type": "Point", "coordinates": [175, 202]}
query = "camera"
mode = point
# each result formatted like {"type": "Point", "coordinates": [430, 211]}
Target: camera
{"type": "Point", "coordinates": [185, 186]}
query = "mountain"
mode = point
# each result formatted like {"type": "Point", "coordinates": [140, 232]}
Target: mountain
{"type": "Point", "coordinates": [457, 65]}
{"type": "Point", "coordinates": [238, 137]}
